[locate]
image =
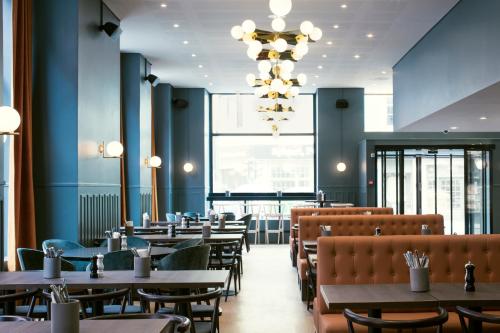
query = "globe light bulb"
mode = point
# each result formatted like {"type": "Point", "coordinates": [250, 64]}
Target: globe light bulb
{"type": "Point", "coordinates": [280, 7]}
{"type": "Point", "coordinates": [248, 38]}
{"type": "Point", "coordinates": [265, 89]}
{"type": "Point", "coordinates": [264, 66]}
{"type": "Point", "coordinates": [287, 66]}
{"type": "Point", "coordinates": [283, 89]}
{"type": "Point", "coordinates": [255, 46]}
{"type": "Point", "coordinates": [251, 54]}
{"type": "Point", "coordinates": [294, 91]}
{"type": "Point", "coordinates": [188, 167]}
{"type": "Point", "coordinates": [302, 48]}
{"type": "Point", "coordinates": [278, 24]}
{"type": "Point", "coordinates": [264, 75]}
{"type": "Point", "coordinates": [237, 32]}
{"type": "Point", "coordinates": [114, 149]}
{"type": "Point", "coordinates": [276, 84]}
{"type": "Point", "coordinates": [306, 27]}
{"type": "Point", "coordinates": [295, 55]}
{"type": "Point", "coordinates": [341, 167]}
{"type": "Point", "coordinates": [316, 34]}
{"type": "Point", "coordinates": [248, 26]}
{"type": "Point", "coordinates": [250, 79]}
{"type": "Point", "coordinates": [155, 162]}
{"type": "Point", "coordinates": [9, 119]}
{"type": "Point", "coordinates": [285, 75]}
{"type": "Point", "coordinates": [280, 45]}
{"type": "Point", "coordinates": [302, 78]}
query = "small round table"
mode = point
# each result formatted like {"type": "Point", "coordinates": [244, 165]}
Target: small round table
{"type": "Point", "coordinates": [86, 253]}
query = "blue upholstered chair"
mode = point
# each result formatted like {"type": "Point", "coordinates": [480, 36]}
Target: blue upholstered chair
{"type": "Point", "coordinates": [64, 244]}
{"type": "Point", "coordinates": [189, 258]}
{"type": "Point", "coordinates": [32, 260]}
{"type": "Point", "coordinates": [170, 217]}
{"type": "Point", "coordinates": [188, 243]}
{"type": "Point", "coordinates": [119, 261]}
{"type": "Point", "coordinates": [191, 215]}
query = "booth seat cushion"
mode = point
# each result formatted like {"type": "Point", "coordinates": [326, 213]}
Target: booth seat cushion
{"type": "Point", "coordinates": [337, 323]}
{"type": "Point", "coordinates": [296, 212]}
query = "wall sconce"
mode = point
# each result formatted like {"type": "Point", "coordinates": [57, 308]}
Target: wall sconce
{"type": "Point", "coordinates": [114, 149]}
{"type": "Point", "coordinates": [188, 167]}
{"type": "Point", "coordinates": [153, 162]}
{"type": "Point", "coordinates": [9, 120]}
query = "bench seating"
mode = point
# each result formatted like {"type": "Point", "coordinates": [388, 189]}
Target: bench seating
{"type": "Point", "coordinates": [362, 259]}
{"type": "Point", "coordinates": [361, 225]}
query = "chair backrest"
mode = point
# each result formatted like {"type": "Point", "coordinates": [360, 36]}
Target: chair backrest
{"type": "Point", "coordinates": [27, 296]}
{"type": "Point", "coordinates": [32, 260]}
{"type": "Point", "coordinates": [247, 219]}
{"type": "Point", "coordinates": [296, 212]}
{"type": "Point", "coordinates": [250, 208]}
{"type": "Point", "coordinates": [15, 318]}
{"type": "Point", "coordinates": [399, 325]}
{"type": "Point", "coordinates": [371, 259]}
{"type": "Point", "coordinates": [170, 217]}
{"type": "Point", "coordinates": [211, 296]}
{"type": "Point", "coordinates": [191, 215]}
{"type": "Point", "coordinates": [188, 243]}
{"type": "Point", "coordinates": [62, 244]}
{"type": "Point", "coordinates": [464, 313]}
{"type": "Point", "coordinates": [189, 258]}
{"type": "Point", "coordinates": [175, 323]}
{"type": "Point", "coordinates": [229, 216]}
{"type": "Point", "coordinates": [119, 261]}
{"type": "Point", "coordinates": [364, 225]}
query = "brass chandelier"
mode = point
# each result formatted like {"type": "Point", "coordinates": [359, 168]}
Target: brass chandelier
{"type": "Point", "coordinates": [276, 51]}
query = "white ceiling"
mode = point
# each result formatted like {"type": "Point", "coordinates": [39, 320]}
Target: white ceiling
{"type": "Point", "coordinates": [396, 24]}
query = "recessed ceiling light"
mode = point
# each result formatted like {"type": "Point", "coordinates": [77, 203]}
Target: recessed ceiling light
{"type": "Point", "coordinates": [357, 56]}
{"type": "Point", "coordinates": [185, 42]}
{"type": "Point", "coordinates": [453, 127]}
{"type": "Point", "coordinates": [329, 42]}
{"type": "Point", "coordinates": [384, 72]}
{"type": "Point", "coordinates": [163, 5]}
{"type": "Point", "coordinates": [483, 118]}
{"type": "Point", "coordinates": [200, 66]}
{"type": "Point", "coordinates": [210, 84]}
{"type": "Point", "coordinates": [316, 76]}
{"type": "Point", "coordinates": [193, 55]}
{"type": "Point", "coordinates": [206, 75]}
{"type": "Point", "coordinates": [336, 26]}
{"type": "Point", "coordinates": [320, 67]}
{"type": "Point", "coordinates": [370, 35]}
{"type": "Point", "coordinates": [324, 56]}
{"type": "Point", "coordinates": [175, 25]}
{"type": "Point", "coordinates": [343, 6]}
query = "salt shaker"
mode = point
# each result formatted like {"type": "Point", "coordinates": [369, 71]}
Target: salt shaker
{"type": "Point", "coordinates": [469, 277]}
{"type": "Point", "coordinates": [100, 265]}
{"type": "Point", "coordinates": [183, 222]}
{"type": "Point", "coordinates": [124, 243]}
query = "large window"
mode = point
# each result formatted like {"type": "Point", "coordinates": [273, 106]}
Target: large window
{"type": "Point", "coordinates": [378, 113]}
{"type": "Point", "coordinates": [246, 158]}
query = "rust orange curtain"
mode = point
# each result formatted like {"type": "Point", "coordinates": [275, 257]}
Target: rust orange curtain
{"type": "Point", "coordinates": [154, 189]}
{"type": "Point", "coordinates": [24, 199]}
{"type": "Point", "coordinates": [123, 189]}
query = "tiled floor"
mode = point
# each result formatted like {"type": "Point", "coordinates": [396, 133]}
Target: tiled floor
{"type": "Point", "coordinates": [269, 301]}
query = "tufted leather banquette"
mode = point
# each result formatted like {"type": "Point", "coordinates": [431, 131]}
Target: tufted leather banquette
{"type": "Point", "coordinates": [362, 225]}
{"type": "Point", "coordinates": [363, 259]}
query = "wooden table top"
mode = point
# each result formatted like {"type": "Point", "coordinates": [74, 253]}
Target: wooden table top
{"type": "Point", "coordinates": [117, 279]}
{"type": "Point", "coordinates": [163, 238]}
{"type": "Point", "coordinates": [197, 227]}
{"type": "Point", "coordinates": [89, 252]}
{"type": "Point", "coordinates": [399, 295]}
{"type": "Point", "coordinates": [92, 326]}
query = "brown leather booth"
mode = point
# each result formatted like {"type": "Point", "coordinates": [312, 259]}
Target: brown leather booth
{"type": "Point", "coordinates": [364, 259]}
{"type": "Point", "coordinates": [361, 225]}
{"type": "Point", "coordinates": [297, 212]}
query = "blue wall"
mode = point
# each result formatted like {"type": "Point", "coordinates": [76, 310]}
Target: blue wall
{"type": "Point", "coordinates": [190, 144]}
{"type": "Point", "coordinates": [342, 186]}
{"type": "Point", "coordinates": [164, 146]}
{"type": "Point", "coordinates": [75, 107]}
{"type": "Point", "coordinates": [136, 108]}
{"type": "Point", "coordinates": [457, 58]}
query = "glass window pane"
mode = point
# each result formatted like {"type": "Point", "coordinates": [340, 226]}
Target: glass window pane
{"type": "Point", "coordinates": [238, 114]}
{"type": "Point", "coordinates": [263, 163]}
{"type": "Point", "coordinates": [378, 113]}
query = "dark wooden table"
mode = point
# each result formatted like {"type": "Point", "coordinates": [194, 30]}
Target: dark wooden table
{"type": "Point", "coordinates": [322, 202]}
{"type": "Point", "coordinates": [92, 326]}
{"type": "Point", "coordinates": [193, 228]}
{"type": "Point", "coordinates": [376, 297]}
{"type": "Point", "coordinates": [117, 279]}
{"type": "Point", "coordinates": [86, 253]}
{"type": "Point", "coordinates": [163, 238]}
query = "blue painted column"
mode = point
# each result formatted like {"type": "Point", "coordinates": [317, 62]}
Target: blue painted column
{"type": "Point", "coordinates": [136, 108]}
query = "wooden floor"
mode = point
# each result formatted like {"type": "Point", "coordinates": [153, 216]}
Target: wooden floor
{"type": "Point", "coordinates": [269, 300]}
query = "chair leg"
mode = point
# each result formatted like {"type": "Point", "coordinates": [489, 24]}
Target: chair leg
{"type": "Point", "coordinates": [229, 283]}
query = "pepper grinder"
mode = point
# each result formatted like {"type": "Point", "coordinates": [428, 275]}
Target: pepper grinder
{"type": "Point", "coordinates": [469, 277]}
{"type": "Point", "coordinates": [93, 268]}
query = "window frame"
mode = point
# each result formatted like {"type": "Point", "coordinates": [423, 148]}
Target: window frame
{"type": "Point", "coordinates": [217, 196]}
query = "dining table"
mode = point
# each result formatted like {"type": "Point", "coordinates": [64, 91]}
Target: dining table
{"type": "Point", "coordinates": [93, 326]}
{"type": "Point", "coordinates": [86, 253]}
{"type": "Point", "coordinates": [193, 228]}
{"type": "Point", "coordinates": [214, 237]}
{"type": "Point", "coordinates": [374, 298]}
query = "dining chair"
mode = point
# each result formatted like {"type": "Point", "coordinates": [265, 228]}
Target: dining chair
{"type": "Point", "coordinates": [170, 217]}
{"type": "Point", "coordinates": [183, 304]}
{"type": "Point", "coordinates": [223, 257]}
{"type": "Point", "coordinates": [464, 313]}
{"type": "Point", "coordinates": [255, 210]}
{"type": "Point", "coordinates": [14, 318]}
{"type": "Point", "coordinates": [63, 244]}
{"type": "Point", "coordinates": [32, 260]}
{"type": "Point", "coordinates": [175, 324]}
{"type": "Point", "coordinates": [230, 216]}
{"type": "Point", "coordinates": [188, 243]}
{"type": "Point", "coordinates": [119, 261]}
{"type": "Point", "coordinates": [25, 307]}
{"type": "Point", "coordinates": [247, 220]}
{"type": "Point", "coordinates": [272, 212]}
{"type": "Point", "coordinates": [397, 325]}
{"type": "Point", "coordinates": [191, 215]}
{"type": "Point", "coordinates": [189, 258]}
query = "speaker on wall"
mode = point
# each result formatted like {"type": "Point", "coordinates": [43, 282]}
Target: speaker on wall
{"type": "Point", "coordinates": [342, 104]}
{"type": "Point", "coordinates": [180, 103]}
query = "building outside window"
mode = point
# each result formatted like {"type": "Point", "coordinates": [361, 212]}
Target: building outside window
{"type": "Point", "coordinates": [378, 113]}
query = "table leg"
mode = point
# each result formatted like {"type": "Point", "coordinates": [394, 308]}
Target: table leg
{"type": "Point", "coordinates": [375, 313]}
{"type": "Point", "coordinates": [475, 326]}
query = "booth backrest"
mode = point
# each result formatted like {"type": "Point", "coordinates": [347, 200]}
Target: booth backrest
{"type": "Point", "coordinates": [368, 259]}
{"type": "Point", "coordinates": [364, 225]}
{"type": "Point", "coordinates": [297, 212]}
